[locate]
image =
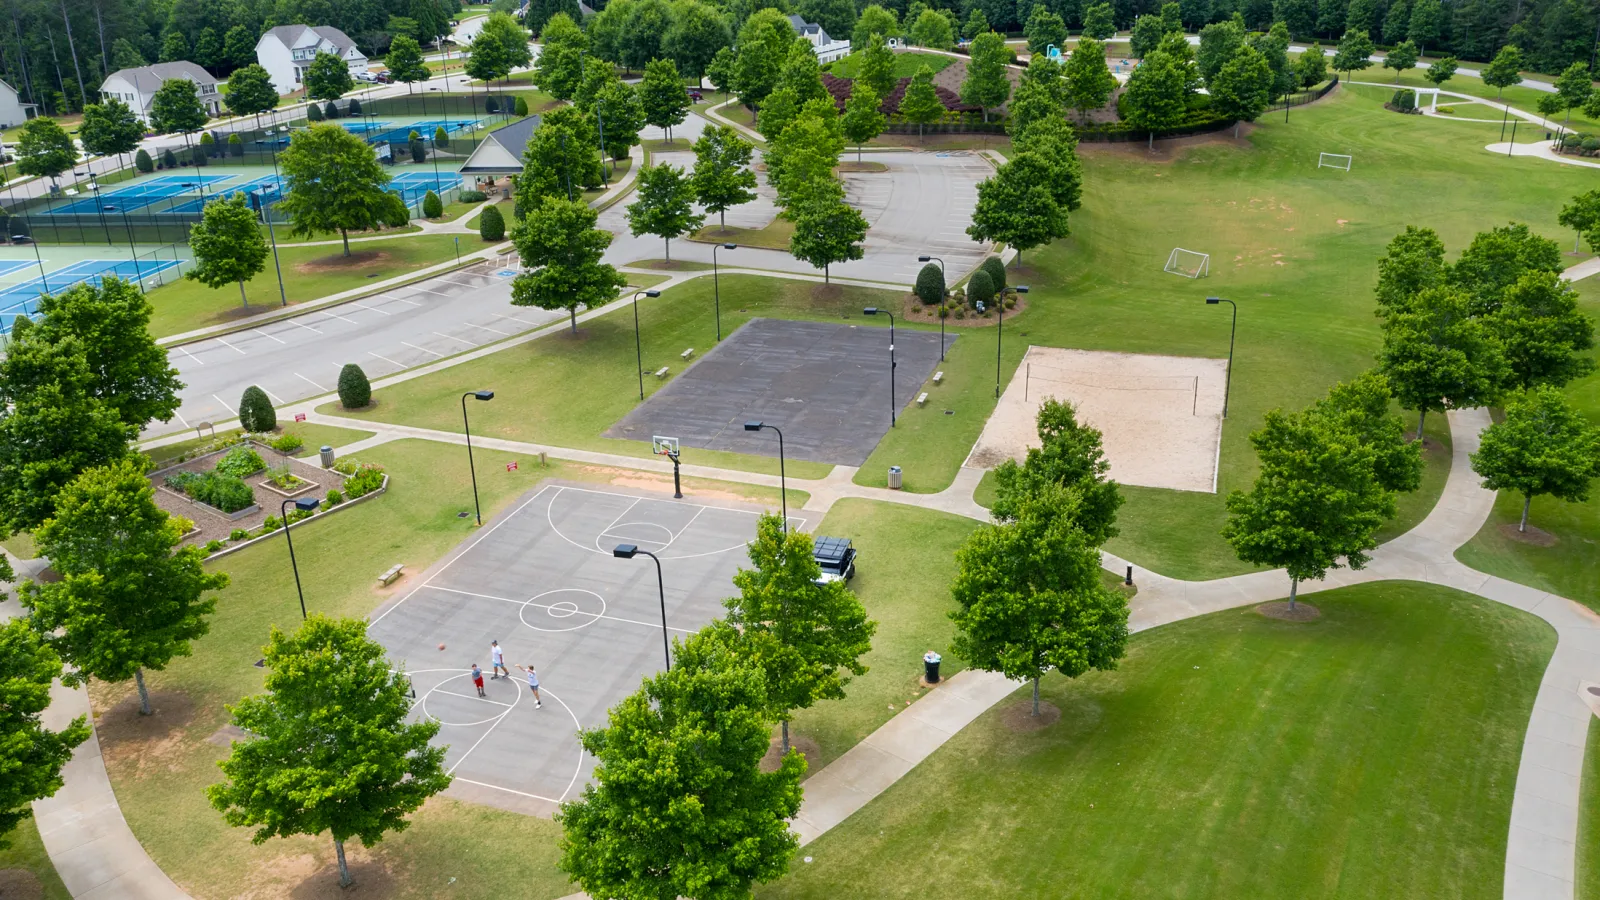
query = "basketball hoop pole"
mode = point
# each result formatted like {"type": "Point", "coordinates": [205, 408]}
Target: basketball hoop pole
{"type": "Point", "coordinates": [677, 487]}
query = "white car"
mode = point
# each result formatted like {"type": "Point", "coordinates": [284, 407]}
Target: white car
{"type": "Point", "coordinates": [367, 77]}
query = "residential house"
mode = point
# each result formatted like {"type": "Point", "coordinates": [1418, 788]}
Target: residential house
{"type": "Point", "coordinates": [286, 53]}
{"type": "Point", "coordinates": [137, 87]}
{"type": "Point", "coordinates": [827, 48]}
{"type": "Point", "coordinates": [12, 110]}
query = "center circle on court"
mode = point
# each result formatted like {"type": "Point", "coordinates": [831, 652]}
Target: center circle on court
{"type": "Point", "coordinates": [563, 609]}
{"type": "Point", "coordinates": [503, 708]}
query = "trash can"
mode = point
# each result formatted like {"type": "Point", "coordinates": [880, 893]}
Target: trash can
{"type": "Point", "coordinates": [327, 457]}
{"type": "Point", "coordinates": [894, 478]}
{"type": "Point", "coordinates": [930, 666]}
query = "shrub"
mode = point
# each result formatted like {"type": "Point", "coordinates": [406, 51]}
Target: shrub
{"type": "Point", "coordinates": [225, 492]}
{"type": "Point", "coordinates": [331, 111]}
{"type": "Point", "coordinates": [346, 466]}
{"type": "Point", "coordinates": [169, 159]}
{"type": "Point", "coordinates": [1011, 302]}
{"type": "Point", "coordinates": [143, 162]}
{"type": "Point", "coordinates": [395, 212]}
{"type": "Point", "coordinates": [208, 143]}
{"type": "Point", "coordinates": [961, 312]}
{"type": "Point", "coordinates": [472, 196]}
{"type": "Point", "coordinates": [944, 311]}
{"type": "Point", "coordinates": [197, 155]}
{"type": "Point", "coordinates": [313, 113]}
{"type": "Point", "coordinates": [235, 145]}
{"type": "Point", "coordinates": [491, 103]}
{"type": "Point", "coordinates": [334, 498]}
{"type": "Point", "coordinates": [213, 546]}
{"type": "Point", "coordinates": [368, 478]}
{"type": "Point", "coordinates": [1447, 110]}
{"type": "Point", "coordinates": [521, 108]}
{"type": "Point", "coordinates": [283, 479]}
{"type": "Point", "coordinates": [270, 524]}
{"type": "Point", "coordinates": [184, 525]}
{"type": "Point", "coordinates": [930, 284]}
{"type": "Point", "coordinates": [238, 534]}
{"type": "Point", "coordinates": [441, 138]}
{"type": "Point", "coordinates": [255, 410]}
{"type": "Point", "coordinates": [996, 270]}
{"type": "Point", "coordinates": [491, 225]}
{"type": "Point", "coordinates": [289, 443]}
{"type": "Point", "coordinates": [1403, 100]}
{"type": "Point", "coordinates": [980, 289]}
{"type": "Point", "coordinates": [355, 391]}
{"type": "Point", "coordinates": [240, 462]}
{"type": "Point", "coordinates": [355, 107]}
{"type": "Point", "coordinates": [432, 206]}
{"type": "Point", "coordinates": [419, 152]}
{"type": "Point", "coordinates": [1591, 144]}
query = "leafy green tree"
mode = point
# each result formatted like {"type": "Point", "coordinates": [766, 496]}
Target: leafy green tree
{"type": "Point", "coordinates": [801, 73]}
{"type": "Point", "coordinates": [108, 326]}
{"type": "Point", "coordinates": [665, 205]}
{"type": "Point", "coordinates": [1427, 20]}
{"type": "Point", "coordinates": [1171, 18]}
{"type": "Point", "coordinates": [820, 631]}
{"type": "Point", "coordinates": [777, 113]}
{"type": "Point", "coordinates": [1412, 263]}
{"type": "Point", "coordinates": [827, 230]}
{"type": "Point", "coordinates": [862, 121]}
{"type": "Point", "coordinates": [126, 56]}
{"type": "Point", "coordinates": [404, 62]}
{"type": "Point", "coordinates": [333, 183]}
{"type": "Point", "coordinates": [1030, 598]}
{"type": "Point", "coordinates": [176, 107]}
{"type": "Point", "coordinates": [256, 414]}
{"type": "Point", "coordinates": [1045, 29]}
{"type": "Point", "coordinates": [1574, 87]}
{"type": "Point", "coordinates": [921, 104]}
{"type": "Point", "coordinates": [1547, 338]}
{"type": "Point", "coordinates": [722, 176]}
{"type": "Point", "coordinates": [1098, 21]}
{"type": "Point", "coordinates": [1441, 70]}
{"type": "Point", "coordinates": [1146, 34]}
{"type": "Point", "coordinates": [933, 31]}
{"type": "Point", "coordinates": [1033, 102]}
{"type": "Point", "coordinates": [1048, 74]}
{"type": "Point", "coordinates": [250, 91]}
{"type": "Point", "coordinates": [45, 149]}
{"type": "Point", "coordinates": [986, 84]}
{"type": "Point", "coordinates": [1437, 356]}
{"type": "Point", "coordinates": [1242, 87]}
{"type": "Point", "coordinates": [560, 67]}
{"type": "Point", "coordinates": [1353, 53]}
{"type": "Point", "coordinates": [1317, 500]}
{"type": "Point", "coordinates": [1155, 96]}
{"type": "Point", "coordinates": [1070, 456]}
{"type": "Point", "coordinates": [1543, 446]}
{"type": "Point", "coordinates": [1497, 259]}
{"type": "Point", "coordinates": [488, 59]}
{"type": "Point", "coordinates": [227, 244]}
{"type": "Point", "coordinates": [1274, 47]}
{"type": "Point", "coordinates": [328, 77]}
{"type": "Point", "coordinates": [1219, 42]}
{"type": "Point", "coordinates": [1401, 58]}
{"type": "Point", "coordinates": [174, 46]}
{"type": "Point", "coordinates": [1360, 408]}
{"type": "Point", "coordinates": [721, 71]}
{"type": "Point", "coordinates": [678, 805]}
{"type": "Point", "coordinates": [562, 155]}
{"type": "Point", "coordinates": [129, 599]}
{"type": "Point", "coordinates": [977, 23]}
{"type": "Point", "coordinates": [1504, 70]}
{"type": "Point", "coordinates": [617, 109]}
{"type": "Point", "coordinates": [30, 754]}
{"type": "Point", "coordinates": [877, 68]}
{"type": "Point", "coordinates": [1311, 68]}
{"type": "Point", "coordinates": [806, 153]}
{"type": "Point", "coordinates": [1549, 105]}
{"type": "Point", "coordinates": [662, 97]}
{"type": "Point", "coordinates": [1361, 15]}
{"type": "Point", "coordinates": [1582, 215]}
{"type": "Point", "coordinates": [330, 749]}
{"type": "Point", "coordinates": [763, 43]}
{"type": "Point", "coordinates": [208, 49]}
{"type": "Point", "coordinates": [1053, 142]}
{"type": "Point", "coordinates": [560, 250]}
{"type": "Point", "coordinates": [110, 128]}
{"type": "Point", "coordinates": [1016, 207]}
{"type": "Point", "coordinates": [873, 26]}
{"type": "Point", "coordinates": [503, 30]}
{"type": "Point", "coordinates": [697, 32]}
{"type": "Point", "coordinates": [1089, 81]}
{"type": "Point", "coordinates": [239, 46]}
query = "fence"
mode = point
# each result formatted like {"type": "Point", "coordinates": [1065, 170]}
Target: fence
{"type": "Point", "coordinates": [148, 270]}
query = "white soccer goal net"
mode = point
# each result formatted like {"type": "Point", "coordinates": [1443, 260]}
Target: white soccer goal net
{"type": "Point", "coordinates": [1334, 161]}
{"type": "Point", "coordinates": [1188, 263]}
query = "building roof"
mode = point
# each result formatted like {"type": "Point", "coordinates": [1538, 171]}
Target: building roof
{"type": "Point", "coordinates": [291, 35]}
{"type": "Point", "coordinates": [148, 79]}
{"type": "Point", "coordinates": [801, 26]}
{"type": "Point", "coordinates": [501, 150]}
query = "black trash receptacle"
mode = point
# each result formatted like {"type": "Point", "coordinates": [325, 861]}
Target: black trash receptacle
{"type": "Point", "coordinates": [930, 666]}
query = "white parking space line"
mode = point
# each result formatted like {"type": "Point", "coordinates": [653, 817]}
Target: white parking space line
{"type": "Point", "coordinates": [339, 317]}
{"type": "Point", "coordinates": [304, 325]}
{"type": "Point", "coordinates": [185, 352]}
{"type": "Point", "coordinates": [416, 287]}
{"type": "Point", "coordinates": [224, 404]}
{"type": "Point", "coordinates": [370, 308]}
{"type": "Point", "coordinates": [486, 328]}
{"type": "Point", "coordinates": [275, 398]}
{"type": "Point", "coordinates": [231, 347]}
{"type": "Point", "coordinates": [401, 299]}
{"type": "Point", "coordinates": [423, 349]}
{"type": "Point", "coordinates": [310, 382]}
{"type": "Point", "coordinates": [265, 335]}
{"type": "Point", "coordinates": [182, 419]}
{"type": "Point", "coordinates": [465, 284]}
{"type": "Point", "coordinates": [515, 319]}
{"type": "Point", "coordinates": [385, 359]}
{"type": "Point", "coordinates": [453, 338]}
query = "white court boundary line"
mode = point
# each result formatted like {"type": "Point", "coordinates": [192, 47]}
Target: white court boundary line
{"type": "Point", "coordinates": [550, 520]}
{"type": "Point", "coordinates": [651, 625]}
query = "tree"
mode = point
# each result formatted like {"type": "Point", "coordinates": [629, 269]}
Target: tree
{"type": "Point", "coordinates": [1361, 15]}
{"type": "Point", "coordinates": [1354, 52]}
{"type": "Point", "coordinates": [1440, 71]}
{"type": "Point", "coordinates": [330, 749]}
{"type": "Point", "coordinates": [986, 84]}
{"type": "Point", "coordinates": [977, 23]}
{"type": "Point", "coordinates": [1030, 598]}
{"type": "Point", "coordinates": [678, 805]}
{"type": "Point", "coordinates": [1496, 259]}
{"type": "Point", "coordinates": [45, 149]}
{"type": "Point", "coordinates": [30, 754]}
{"type": "Point", "coordinates": [1582, 215]}
{"type": "Point", "coordinates": [1033, 102]}
{"type": "Point", "coordinates": [491, 224]}
{"type": "Point", "coordinates": [1144, 37]}
{"type": "Point", "coordinates": [1274, 47]}
{"type": "Point", "coordinates": [1543, 446]}
{"type": "Point", "coordinates": [1427, 17]}
{"type": "Point", "coordinates": [921, 104]}
{"type": "Point", "coordinates": [488, 59]}
{"type": "Point", "coordinates": [1053, 142]}
{"type": "Point", "coordinates": [227, 244]}
{"type": "Point", "coordinates": [1219, 42]}
{"type": "Point", "coordinates": [1015, 206]}
{"type": "Point", "coordinates": [801, 74]}
{"type": "Point", "coordinates": [143, 162]}
{"type": "Point", "coordinates": [560, 67]}
{"type": "Point", "coordinates": [1171, 18]}
{"type": "Point", "coordinates": [128, 598]}
{"type": "Point", "coordinates": [250, 91]}
{"type": "Point", "coordinates": [872, 27]}
{"type": "Point", "coordinates": [1547, 338]}
{"type": "Point", "coordinates": [665, 205]}
{"type": "Point", "coordinates": [239, 46]}
{"type": "Point", "coordinates": [819, 630]}
{"type": "Point", "coordinates": [174, 47]}
{"type": "Point", "coordinates": [827, 230]}
{"type": "Point", "coordinates": [662, 97]}
{"type": "Point", "coordinates": [110, 128]}
{"type": "Point", "coordinates": [1089, 81]}
{"type": "Point", "coordinates": [256, 414]}
{"type": "Point", "coordinates": [1069, 456]}
{"type": "Point", "coordinates": [1312, 67]}
{"type": "Point", "coordinates": [1155, 95]}
{"type": "Point", "coordinates": [763, 42]}
{"type": "Point", "coordinates": [933, 31]}
{"type": "Point", "coordinates": [877, 68]}
{"type": "Point", "coordinates": [779, 110]}
{"type": "Point", "coordinates": [1360, 408]}
{"type": "Point", "coordinates": [722, 69]}
{"type": "Point", "coordinates": [698, 31]}
{"type": "Point", "coordinates": [404, 62]}
{"type": "Point", "coordinates": [125, 56]}
{"type": "Point", "coordinates": [1045, 29]}
{"type": "Point", "coordinates": [432, 206]}
{"type": "Point", "coordinates": [558, 243]}
{"type": "Point", "coordinates": [1242, 87]}
{"type": "Point", "coordinates": [208, 49]}
{"type": "Point", "coordinates": [562, 152]}
{"type": "Point", "coordinates": [1574, 87]}
{"type": "Point", "coordinates": [617, 109]}
{"type": "Point", "coordinates": [1504, 70]}
{"type": "Point", "coordinates": [355, 391]}
{"type": "Point", "coordinates": [1412, 263]}
{"type": "Point", "coordinates": [722, 176]}
{"type": "Point", "coordinates": [862, 121]}
{"type": "Point", "coordinates": [512, 39]}
{"type": "Point", "coordinates": [1401, 58]}
{"type": "Point", "coordinates": [108, 326]}
{"type": "Point", "coordinates": [328, 77]}
{"type": "Point", "coordinates": [1318, 499]}
{"type": "Point", "coordinates": [334, 183]}
{"type": "Point", "coordinates": [1437, 356]}
{"type": "Point", "coordinates": [1098, 23]}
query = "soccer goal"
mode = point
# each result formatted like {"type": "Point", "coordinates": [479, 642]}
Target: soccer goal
{"type": "Point", "coordinates": [1334, 161]}
{"type": "Point", "coordinates": [1188, 263]}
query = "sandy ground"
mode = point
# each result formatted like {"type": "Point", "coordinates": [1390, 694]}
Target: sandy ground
{"type": "Point", "coordinates": [1160, 416]}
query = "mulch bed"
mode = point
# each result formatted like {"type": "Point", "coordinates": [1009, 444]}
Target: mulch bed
{"type": "Point", "coordinates": [214, 524]}
{"type": "Point", "coordinates": [807, 747]}
{"type": "Point", "coordinates": [1535, 537]}
{"type": "Point", "coordinates": [1279, 609]}
{"type": "Point", "coordinates": [339, 262]}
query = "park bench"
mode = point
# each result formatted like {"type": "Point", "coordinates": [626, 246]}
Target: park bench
{"type": "Point", "coordinates": [390, 576]}
{"type": "Point", "coordinates": [686, 354]}
{"type": "Point", "coordinates": [938, 376]}
{"type": "Point", "coordinates": [661, 372]}
{"type": "Point", "coordinates": [922, 398]}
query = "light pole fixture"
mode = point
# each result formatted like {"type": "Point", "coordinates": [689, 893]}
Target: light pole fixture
{"type": "Point", "coordinates": [872, 311]}
{"type": "Point", "coordinates": [941, 301]}
{"type": "Point", "coordinates": [783, 481]}
{"type": "Point", "coordinates": [638, 347]}
{"type": "Point", "coordinates": [1000, 334]}
{"type": "Point", "coordinates": [465, 427]}
{"type": "Point", "coordinates": [303, 504]}
{"type": "Point", "coordinates": [1227, 384]}
{"type": "Point", "coordinates": [629, 551]}
{"type": "Point", "coordinates": [716, 289]}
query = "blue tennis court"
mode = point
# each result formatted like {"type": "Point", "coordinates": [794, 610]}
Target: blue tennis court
{"type": "Point", "coordinates": [8, 266]}
{"type": "Point", "coordinates": [413, 185]}
{"type": "Point", "coordinates": [18, 299]}
{"type": "Point", "coordinates": [357, 126]}
{"type": "Point", "coordinates": [402, 133]}
{"type": "Point", "coordinates": [270, 188]}
{"type": "Point", "coordinates": [137, 196]}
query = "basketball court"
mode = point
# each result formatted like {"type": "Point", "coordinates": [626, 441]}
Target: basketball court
{"type": "Point", "coordinates": [541, 579]}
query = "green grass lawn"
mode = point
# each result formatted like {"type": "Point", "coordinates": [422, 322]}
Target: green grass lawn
{"type": "Point", "coordinates": [905, 64]}
{"type": "Point", "coordinates": [25, 863]}
{"type": "Point", "coordinates": [1229, 756]}
{"type": "Point", "coordinates": [775, 235]}
{"type": "Point", "coordinates": [313, 434]}
{"type": "Point", "coordinates": [530, 406]}
{"type": "Point", "coordinates": [1516, 96]}
{"type": "Point", "coordinates": [1588, 874]}
{"type": "Point", "coordinates": [309, 273]}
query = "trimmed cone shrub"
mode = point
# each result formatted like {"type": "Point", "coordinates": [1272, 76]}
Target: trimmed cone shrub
{"type": "Point", "coordinates": [355, 391]}
{"type": "Point", "coordinates": [255, 411]}
{"type": "Point", "coordinates": [441, 138]}
{"type": "Point", "coordinates": [419, 152]}
{"type": "Point", "coordinates": [169, 159]}
{"type": "Point", "coordinates": [197, 155]}
{"type": "Point", "coordinates": [235, 145]}
{"type": "Point", "coordinates": [492, 225]}
{"type": "Point", "coordinates": [313, 113]}
{"type": "Point", "coordinates": [143, 162]}
{"type": "Point", "coordinates": [996, 271]}
{"type": "Point", "coordinates": [432, 206]}
{"type": "Point", "coordinates": [208, 143]}
{"type": "Point", "coordinates": [491, 104]}
{"type": "Point", "coordinates": [355, 107]}
{"type": "Point", "coordinates": [980, 289]}
{"type": "Point", "coordinates": [331, 111]}
{"type": "Point", "coordinates": [930, 284]}
{"type": "Point", "coordinates": [395, 212]}
{"type": "Point", "coordinates": [521, 108]}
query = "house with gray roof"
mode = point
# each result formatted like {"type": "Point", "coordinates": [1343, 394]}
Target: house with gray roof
{"type": "Point", "coordinates": [137, 87]}
{"type": "Point", "coordinates": [286, 53]}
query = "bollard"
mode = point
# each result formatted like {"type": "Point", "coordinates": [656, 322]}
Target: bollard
{"type": "Point", "coordinates": [1129, 579]}
{"type": "Point", "coordinates": [327, 457]}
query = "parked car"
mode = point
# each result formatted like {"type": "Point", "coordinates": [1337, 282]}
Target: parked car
{"type": "Point", "coordinates": [836, 557]}
{"type": "Point", "coordinates": [384, 78]}
{"type": "Point", "coordinates": [695, 96]}
{"type": "Point", "coordinates": [367, 77]}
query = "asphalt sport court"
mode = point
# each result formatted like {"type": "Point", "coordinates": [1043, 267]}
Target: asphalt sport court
{"type": "Point", "coordinates": [541, 579]}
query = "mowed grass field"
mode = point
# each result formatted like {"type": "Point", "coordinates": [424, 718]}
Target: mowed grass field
{"type": "Point", "coordinates": [1229, 756]}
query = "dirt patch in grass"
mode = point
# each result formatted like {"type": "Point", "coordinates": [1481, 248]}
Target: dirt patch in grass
{"type": "Point", "coordinates": [372, 879]}
{"type": "Point", "coordinates": [1533, 536]}
{"type": "Point", "coordinates": [143, 745]}
{"type": "Point", "coordinates": [1429, 446]}
{"type": "Point", "coordinates": [807, 747]}
{"type": "Point", "coordinates": [1279, 609]}
{"type": "Point", "coordinates": [20, 884]}
{"type": "Point", "coordinates": [338, 262]}
{"type": "Point", "coordinates": [1019, 717]}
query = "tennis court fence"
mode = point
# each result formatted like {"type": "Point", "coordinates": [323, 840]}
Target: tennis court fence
{"type": "Point", "coordinates": [149, 270]}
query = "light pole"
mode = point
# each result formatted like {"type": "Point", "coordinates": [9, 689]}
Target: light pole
{"type": "Point", "coordinates": [716, 290]}
{"type": "Point", "coordinates": [305, 504]}
{"type": "Point", "coordinates": [999, 336]}
{"type": "Point", "coordinates": [941, 301]}
{"type": "Point", "coordinates": [1227, 384]}
{"type": "Point", "coordinates": [94, 187]}
{"type": "Point", "coordinates": [638, 347]}
{"type": "Point", "coordinates": [872, 311]}
{"type": "Point", "coordinates": [783, 481]}
{"type": "Point", "coordinates": [476, 395]}
{"type": "Point", "coordinates": [629, 551]}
